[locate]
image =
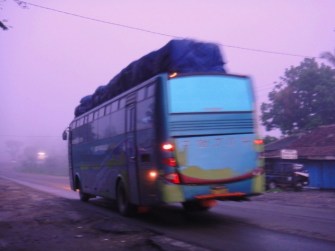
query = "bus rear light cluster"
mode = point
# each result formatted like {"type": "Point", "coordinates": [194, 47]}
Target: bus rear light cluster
{"type": "Point", "coordinates": [168, 147]}
{"type": "Point", "coordinates": [173, 178]}
{"type": "Point", "coordinates": [258, 142]}
{"type": "Point", "coordinates": [170, 162]}
{"type": "Point", "coordinates": [152, 175]}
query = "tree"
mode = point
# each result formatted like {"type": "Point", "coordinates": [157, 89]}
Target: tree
{"type": "Point", "coordinates": [22, 4]}
{"type": "Point", "coordinates": [329, 57]}
{"type": "Point", "coordinates": [303, 99]}
{"type": "Point", "coordinates": [3, 26]}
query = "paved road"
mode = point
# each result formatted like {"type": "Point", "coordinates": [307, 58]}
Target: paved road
{"type": "Point", "coordinates": [256, 225]}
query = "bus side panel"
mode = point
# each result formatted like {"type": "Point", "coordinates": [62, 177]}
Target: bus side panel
{"type": "Point", "coordinates": [112, 159]}
{"type": "Point", "coordinates": [108, 158]}
{"type": "Point", "coordinates": [98, 149]}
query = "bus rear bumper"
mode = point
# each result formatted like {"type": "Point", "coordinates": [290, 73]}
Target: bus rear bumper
{"type": "Point", "coordinates": [223, 196]}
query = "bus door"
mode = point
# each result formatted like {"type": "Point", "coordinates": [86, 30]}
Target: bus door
{"type": "Point", "coordinates": [70, 159]}
{"type": "Point", "coordinates": [67, 135]}
{"type": "Point", "coordinates": [132, 184]}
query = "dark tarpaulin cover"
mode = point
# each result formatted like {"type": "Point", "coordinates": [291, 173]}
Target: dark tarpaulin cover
{"type": "Point", "coordinates": [182, 56]}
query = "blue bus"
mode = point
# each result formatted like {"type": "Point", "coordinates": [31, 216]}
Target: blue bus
{"type": "Point", "coordinates": [178, 138]}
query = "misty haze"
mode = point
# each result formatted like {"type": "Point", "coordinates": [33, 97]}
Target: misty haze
{"type": "Point", "coordinates": [206, 124]}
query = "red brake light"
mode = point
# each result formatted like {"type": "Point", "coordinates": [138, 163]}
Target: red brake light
{"type": "Point", "coordinates": [173, 178]}
{"type": "Point", "coordinates": [168, 147]}
{"type": "Point", "coordinates": [258, 142]}
{"type": "Point", "coordinates": [170, 162]}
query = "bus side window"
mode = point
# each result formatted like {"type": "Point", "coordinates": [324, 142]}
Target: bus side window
{"type": "Point", "coordinates": [115, 105]}
{"type": "Point", "coordinates": [96, 115]}
{"type": "Point", "coordinates": [90, 117]}
{"type": "Point", "coordinates": [141, 94]}
{"type": "Point", "coordinates": [101, 112]}
{"type": "Point", "coordinates": [80, 122]}
{"type": "Point", "coordinates": [122, 103]}
{"type": "Point", "coordinates": [151, 90]}
{"type": "Point", "coordinates": [108, 109]}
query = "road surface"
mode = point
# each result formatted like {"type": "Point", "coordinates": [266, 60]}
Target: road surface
{"type": "Point", "coordinates": [262, 224]}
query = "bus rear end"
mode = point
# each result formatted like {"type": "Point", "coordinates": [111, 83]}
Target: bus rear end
{"type": "Point", "coordinates": [210, 149]}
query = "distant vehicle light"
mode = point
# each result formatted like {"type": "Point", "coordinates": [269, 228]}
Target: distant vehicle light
{"type": "Point", "coordinates": [41, 155]}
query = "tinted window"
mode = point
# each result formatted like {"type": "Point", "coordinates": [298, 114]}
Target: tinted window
{"type": "Point", "coordinates": [145, 114]}
{"type": "Point", "coordinates": [108, 109]}
{"type": "Point", "coordinates": [115, 105]}
{"type": "Point", "coordinates": [101, 112]}
{"type": "Point", "coordinates": [151, 90]}
{"type": "Point", "coordinates": [210, 94]}
{"type": "Point", "coordinates": [141, 94]}
{"type": "Point", "coordinates": [122, 103]}
{"type": "Point", "coordinates": [90, 117]}
{"type": "Point", "coordinates": [96, 114]}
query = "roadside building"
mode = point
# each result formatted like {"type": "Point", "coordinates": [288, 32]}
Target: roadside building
{"type": "Point", "coordinates": [314, 149]}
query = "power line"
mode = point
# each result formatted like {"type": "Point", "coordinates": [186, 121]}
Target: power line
{"type": "Point", "coordinates": [103, 21]}
{"type": "Point", "coordinates": [163, 34]}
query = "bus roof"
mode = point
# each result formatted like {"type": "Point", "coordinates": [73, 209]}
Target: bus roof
{"type": "Point", "coordinates": [182, 56]}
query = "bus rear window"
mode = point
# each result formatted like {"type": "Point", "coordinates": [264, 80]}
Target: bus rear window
{"type": "Point", "coordinates": [219, 93]}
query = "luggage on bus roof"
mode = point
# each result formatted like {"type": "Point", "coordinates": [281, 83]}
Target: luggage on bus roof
{"type": "Point", "coordinates": [182, 56]}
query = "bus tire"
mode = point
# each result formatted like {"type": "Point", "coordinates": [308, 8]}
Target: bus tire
{"type": "Point", "coordinates": [82, 195]}
{"type": "Point", "coordinates": [124, 207]}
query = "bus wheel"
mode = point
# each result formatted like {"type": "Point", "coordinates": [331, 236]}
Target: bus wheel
{"type": "Point", "coordinates": [83, 196]}
{"type": "Point", "coordinates": [123, 205]}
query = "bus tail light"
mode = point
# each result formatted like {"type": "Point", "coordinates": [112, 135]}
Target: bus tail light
{"type": "Point", "coordinates": [152, 175]}
{"type": "Point", "coordinates": [170, 162]}
{"type": "Point", "coordinates": [258, 142]}
{"type": "Point", "coordinates": [259, 145]}
{"type": "Point", "coordinates": [168, 147]}
{"type": "Point", "coordinates": [173, 178]}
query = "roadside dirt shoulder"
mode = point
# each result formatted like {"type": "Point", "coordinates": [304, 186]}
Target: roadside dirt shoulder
{"type": "Point", "coordinates": [33, 220]}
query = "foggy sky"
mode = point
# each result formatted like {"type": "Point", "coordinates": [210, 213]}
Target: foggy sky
{"type": "Point", "coordinates": [49, 60]}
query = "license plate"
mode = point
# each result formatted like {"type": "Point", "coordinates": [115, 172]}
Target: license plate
{"type": "Point", "coordinates": [219, 190]}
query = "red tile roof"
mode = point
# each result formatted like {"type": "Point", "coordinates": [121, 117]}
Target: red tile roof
{"type": "Point", "coordinates": [316, 144]}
